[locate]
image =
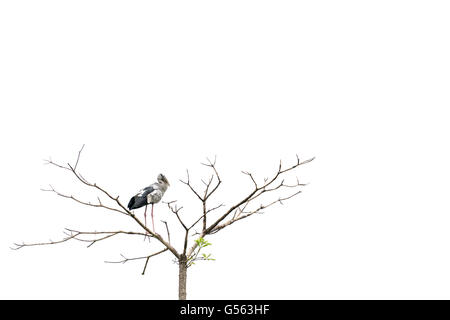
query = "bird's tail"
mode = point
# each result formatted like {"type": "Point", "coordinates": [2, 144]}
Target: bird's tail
{"type": "Point", "coordinates": [131, 203]}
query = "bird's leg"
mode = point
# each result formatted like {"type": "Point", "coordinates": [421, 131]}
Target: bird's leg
{"type": "Point", "coordinates": [145, 222]}
{"type": "Point", "coordinates": [145, 217]}
{"type": "Point", "coordinates": [153, 223]}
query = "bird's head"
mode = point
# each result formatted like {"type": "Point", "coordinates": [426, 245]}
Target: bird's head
{"type": "Point", "coordinates": [162, 179]}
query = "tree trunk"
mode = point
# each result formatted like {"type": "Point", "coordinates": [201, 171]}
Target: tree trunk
{"type": "Point", "coordinates": [182, 274]}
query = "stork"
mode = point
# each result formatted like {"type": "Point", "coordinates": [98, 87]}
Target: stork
{"type": "Point", "coordinates": [149, 195]}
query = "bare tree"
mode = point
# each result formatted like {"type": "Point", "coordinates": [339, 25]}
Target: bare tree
{"type": "Point", "coordinates": [261, 196]}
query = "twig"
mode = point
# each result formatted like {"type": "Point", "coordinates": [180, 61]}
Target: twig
{"type": "Point", "coordinates": [122, 209]}
{"type": "Point", "coordinates": [74, 234]}
{"type": "Point", "coordinates": [147, 258]}
{"type": "Point", "coordinates": [258, 190]}
{"type": "Point", "coordinates": [167, 228]}
{"type": "Point", "coordinates": [78, 158]}
{"type": "Point", "coordinates": [99, 205]}
{"type": "Point", "coordinates": [175, 210]}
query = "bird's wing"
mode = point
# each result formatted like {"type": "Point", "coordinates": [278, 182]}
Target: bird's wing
{"type": "Point", "coordinates": [155, 196]}
{"type": "Point", "coordinates": [140, 199]}
{"type": "Point", "coordinates": [144, 192]}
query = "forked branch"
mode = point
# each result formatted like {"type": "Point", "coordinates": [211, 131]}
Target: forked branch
{"type": "Point", "coordinates": [147, 258]}
{"type": "Point", "coordinates": [94, 237]}
{"type": "Point", "coordinates": [211, 186]}
{"type": "Point", "coordinates": [268, 187]}
{"type": "Point", "coordinates": [119, 207]}
{"type": "Point", "coordinates": [262, 195]}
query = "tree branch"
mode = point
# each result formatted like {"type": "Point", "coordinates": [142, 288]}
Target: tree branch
{"type": "Point", "coordinates": [188, 183]}
{"type": "Point", "coordinates": [78, 158]}
{"type": "Point", "coordinates": [167, 228]}
{"type": "Point", "coordinates": [125, 259]}
{"type": "Point", "coordinates": [175, 210]}
{"type": "Point", "coordinates": [122, 209]}
{"type": "Point", "coordinates": [207, 192]}
{"type": "Point", "coordinates": [242, 209]}
{"type": "Point", "coordinates": [75, 235]}
{"type": "Point", "coordinates": [258, 190]}
{"type": "Point", "coordinates": [249, 213]}
{"type": "Point", "coordinates": [99, 205]}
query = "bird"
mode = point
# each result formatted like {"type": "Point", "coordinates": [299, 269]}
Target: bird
{"type": "Point", "coordinates": [149, 195]}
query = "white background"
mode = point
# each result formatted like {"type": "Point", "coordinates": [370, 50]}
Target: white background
{"type": "Point", "coordinates": [157, 86]}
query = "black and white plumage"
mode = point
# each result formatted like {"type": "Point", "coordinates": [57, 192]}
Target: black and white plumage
{"type": "Point", "coordinates": [149, 195]}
